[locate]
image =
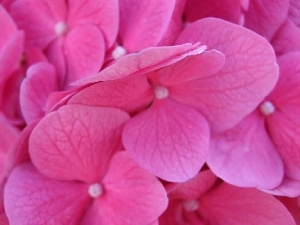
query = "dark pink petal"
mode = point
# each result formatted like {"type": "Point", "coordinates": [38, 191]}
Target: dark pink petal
{"type": "Point", "coordinates": [76, 142]}
{"type": "Point", "coordinates": [130, 94]}
{"type": "Point", "coordinates": [190, 68]}
{"type": "Point", "coordinates": [145, 61]}
{"type": "Point", "coordinates": [39, 19]}
{"type": "Point", "coordinates": [143, 23]}
{"type": "Point", "coordinates": [40, 81]}
{"type": "Point", "coordinates": [31, 198]}
{"type": "Point", "coordinates": [87, 57]}
{"type": "Point", "coordinates": [245, 155]}
{"type": "Point", "coordinates": [229, 10]}
{"type": "Point", "coordinates": [193, 188]}
{"type": "Point", "coordinates": [249, 74]}
{"type": "Point", "coordinates": [288, 187]}
{"type": "Point", "coordinates": [131, 195]}
{"type": "Point", "coordinates": [230, 205]}
{"type": "Point", "coordinates": [174, 215]}
{"type": "Point", "coordinates": [104, 14]}
{"type": "Point", "coordinates": [284, 123]}
{"type": "Point", "coordinates": [266, 16]}
{"type": "Point", "coordinates": [286, 38]}
{"type": "Point", "coordinates": [8, 28]}
{"type": "Point", "coordinates": [292, 204]}
{"type": "Point", "coordinates": [169, 139]}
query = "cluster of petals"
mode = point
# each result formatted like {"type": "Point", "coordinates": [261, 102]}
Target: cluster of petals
{"type": "Point", "coordinates": [149, 112]}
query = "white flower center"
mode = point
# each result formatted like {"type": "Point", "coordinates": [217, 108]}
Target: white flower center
{"type": "Point", "coordinates": [161, 92]}
{"type": "Point", "coordinates": [118, 52]}
{"type": "Point", "coordinates": [267, 108]}
{"type": "Point", "coordinates": [61, 28]}
{"type": "Point", "coordinates": [191, 205]}
{"type": "Point", "coordinates": [95, 190]}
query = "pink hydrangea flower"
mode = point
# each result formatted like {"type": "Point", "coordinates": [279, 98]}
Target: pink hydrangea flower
{"type": "Point", "coordinates": [203, 200]}
{"type": "Point", "coordinates": [79, 174]}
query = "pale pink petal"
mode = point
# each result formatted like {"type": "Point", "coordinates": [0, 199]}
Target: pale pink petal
{"type": "Point", "coordinates": [245, 155]}
{"type": "Point", "coordinates": [229, 10]}
{"type": "Point", "coordinates": [102, 13]}
{"type": "Point", "coordinates": [190, 68]}
{"type": "Point", "coordinates": [288, 187]}
{"type": "Point", "coordinates": [145, 61]}
{"type": "Point", "coordinates": [39, 19]}
{"type": "Point", "coordinates": [8, 28]}
{"type": "Point", "coordinates": [131, 195]}
{"type": "Point", "coordinates": [169, 139]}
{"type": "Point", "coordinates": [40, 81]}
{"type": "Point", "coordinates": [76, 142]}
{"type": "Point", "coordinates": [130, 94]}
{"type": "Point", "coordinates": [284, 123]}
{"type": "Point", "coordinates": [143, 23]}
{"type": "Point", "coordinates": [193, 188]}
{"type": "Point", "coordinates": [87, 57]}
{"type": "Point", "coordinates": [31, 198]}
{"type": "Point", "coordinates": [266, 16]}
{"type": "Point", "coordinates": [249, 74]}
{"type": "Point", "coordinates": [230, 205]}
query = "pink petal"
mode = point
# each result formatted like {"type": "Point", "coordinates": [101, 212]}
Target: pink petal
{"type": "Point", "coordinates": [193, 188]}
{"type": "Point", "coordinates": [266, 16]}
{"type": "Point", "coordinates": [40, 81]}
{"type": "Point", "coordinates": [104, 14]}
{"type": "Point", "coordinates": [229, 205]}
{"type": "Point", "coordinates": [288, 187]}
{"type": "Point", "coordinates": [31, 198]}
{"type": "Point", "coordinates": [249, 74]}
{"type": "Point", "coordinates": [190, 68]}
{"type": "Point", "coordinates": [130, 94]}
{"type": "Point", "coordinates": [229, 10]}
{"type": "Point", "coordinates": [294, 10]}
{"type": "Point", "coordinates": [143, 23]}
{"type": "Point", "coordinates": [39, 19]}
{"type": "Point", "coordinates": [132, 195]}
{"type": "Point", "coordinates": [145, 61]}
{"type": "Point", "coordinates": [87, 58]}
{"type": "Point", "coordinates": [76, 142]}
{"type": "Point", "coordinates": [284, 123]}
{"type": "Point", "coordinates": [169, 139]}
{"type": "Point", "coordinates": [8, 28]}
{"type": "Point", "coordinates": [245, 155]}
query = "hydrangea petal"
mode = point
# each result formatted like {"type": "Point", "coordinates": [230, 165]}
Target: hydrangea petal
{"type": "Point", "coordinates": [169, 139]}
{"type": "Point", "coordinates": [143, 23]}
{"type": "Point", "coordinates": [40, 81]}
{"type": "Point", "coordinates": [145, 61]}
{"type": "Point", "coordinates": [8, 27]}
{"type": "Point", "coordinates": [130, 94]}
{"type": "Point", "coordinates": [87, 58]}
{"type": "Point", "coordinates": [31, 198]}
{"type": "Point", "coordinates": [288, 187]}
{"type": "Point", "coordinates": [132, 195]}
{"type": "Point", "coordinates": [76, 142]}
{"type": "Point", "coordinates": [230, 205]}
{"type": "Point", "coordinates": [245, 155]}
{"type": "Point", "coordinates": [249, 74]}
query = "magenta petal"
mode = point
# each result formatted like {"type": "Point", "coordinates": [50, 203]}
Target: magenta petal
{"type": "Point", "coordinates": [266, 16]}
{"type": "Point", "coordinates": [249, 74]}
{"type": "Point", "coordinates": [132, 195]}
{"type": "Point", "coordinates": [31, 198]}
{"type": "Point", "coordinates": [102, 13]}
{"type": "Point", "coordinates": [288, 187]}
{"type": "Point", "coordinates": [145, 61]}
{"type": "Point", "coordinates": [169, 139]}
{"type": "Point", "coordinates": [143, 23]}
{"type": "Point", "coordinates": [245, 155]}
{"type": "Point", "coordinates": [76, 142]}
{"type": "Point", "coordinates": [8, 27]}
{"type": "Point", "coordinates": [40, 81]}
{"type": "Point", "coordinates": [130, 94]}
{"type": "Point", "coordinates": [230, 205]}
{"type": "Point", "coordinates": [87, 57]}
